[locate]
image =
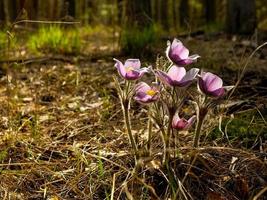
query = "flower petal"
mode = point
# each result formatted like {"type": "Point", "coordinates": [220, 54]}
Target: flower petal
{"type": "Point", "coordinates": [132, 75]}
{"type": "Point", "coordinates": [218, 93]}
{"type": "Point", "coordinates": [181, 124]}
{"type": "Point", "coordinates": [134, 63]}
{"type": "Point", "coordinates": [191, 121]}
{"type": "Point", "coordinates": [143, 98]}
{"type": "Point", "coordinates": [142, 87]}
{"type": "Point", "coordinates": [164, 77]}
{"type": "Point", "coordinates": [176, 73]}
{"type": "Point", "coordinates": [120, 67]}
{"type": "Point", "coordinates": [190, 76]}
{"type": "Point", "coordinates": [142, 95]}
{"type": "Point", "coordinates": [201, 85]}
{"type": "Point", "coordinates": [175, 120]}
{"type": "Point", "coordinates": [212, 81]}
{"type": "Point", "coordinates": [194, 57]}
{"type": "Point", "coordinates": [179, 50]}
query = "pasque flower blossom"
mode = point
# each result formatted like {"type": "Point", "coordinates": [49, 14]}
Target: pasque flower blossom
{"type": "Point", "coordinates": [131, 69]}
{"type": "Point", "coordinates": [177, 76]}
{"type": "Point", "coordinates": [211, 84]}
{"type": "Point", "coordinates": [181, 123]}
{"type": "Point", "coordinates": [146, 94]}
{"type": "Point", "coordinates": [177, 53]}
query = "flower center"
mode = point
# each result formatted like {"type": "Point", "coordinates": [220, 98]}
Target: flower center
{"type": "Point", "coordinates": [151, 92]}
{"type": "Point", "coordinates": [128, 69]}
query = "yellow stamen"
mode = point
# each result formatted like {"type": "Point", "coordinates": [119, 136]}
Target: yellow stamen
{"type": "Point", "coordinates": [151, 92]}
{"type": "Point", "coordinates": [128, 69]}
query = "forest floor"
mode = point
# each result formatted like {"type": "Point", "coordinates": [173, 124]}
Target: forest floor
{"type": "Point", "coordinates": [62, 134]}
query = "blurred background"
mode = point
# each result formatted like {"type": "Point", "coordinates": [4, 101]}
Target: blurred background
{"type": "Point", "coordinates": [238, 16]}
{"type": "Point", "coordinates": [133, 27]}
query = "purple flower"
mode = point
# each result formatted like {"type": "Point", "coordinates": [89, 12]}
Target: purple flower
{"type": "Point", "coordinates": [178, 54]}
{"type": "Point", "coordinates": [131, 70]}
{"type": "Point", "coordinates": [146, 94]}
{"type": "Point", "coordinates": [181, 123]}
{"type": "Point", "coordinates": [177, 76]}
{"type": "Point", "coordinates": [211, 84]}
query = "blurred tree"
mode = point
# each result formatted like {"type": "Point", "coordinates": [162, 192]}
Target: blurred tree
{"type": "Point", "coordinates": [184, 13]}
{"type": "Point", "coordinates": [138, 12]}
{"type": "Point", "coordinates": [71, 7]}
{"type": "Point", "coordinates": [6, 11]}
{"type": "Point", "coordinates": [31, 7]}
{"type": "Point", "coordinates": [164, 14]}
{"type": "Point", "coordinates": [210, 10]}
{"type": "Point", "coordinates": [175, 13]}
{"type": "Point", "coordinates": [241, 16]}
{"type": "Point", "coordinates": [2, 14]}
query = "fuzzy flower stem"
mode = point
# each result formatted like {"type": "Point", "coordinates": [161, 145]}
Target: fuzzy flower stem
{"type": "Point", "coordinates": [125, 110]}
{"type": "Point", "coordinates": [125, 99]}
{"type": "Point", "coordinates": [126, 103]}
{"type": "Point", "coordinates": [168, 135]}
{"type": "Point", "coordinates": [160, 123]}
{"type": "Point", "coordinates": [163, 135]}
{"type": "Point", "coordinates": [201, 114]}
{"type": "Point", "coordinates": [149, 132]}
{"type": "Point", "coordinates": [167, 142]}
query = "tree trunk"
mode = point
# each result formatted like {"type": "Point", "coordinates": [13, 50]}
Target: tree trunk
{"type": "Point", "coordinates": [164, 14]}
{"type": "Point", "coordinates": [6, 11]}
{"type": "Point", "coordinates": [175, 10]}
{"type": "Point", "coordinates": [184, 13]}
{"type": "Point", "coordinates": [241, 16]}
{"type": "Point", "coordinates": [138, 12]}
{"type": "Point", "coordinates": [2, 13]}
{"type": "Point", "coordinates": [31, 7]}
{"type": "Point", "coordinates": [71, 8]}
{"type": "Point", "coordinates": [210, 10]}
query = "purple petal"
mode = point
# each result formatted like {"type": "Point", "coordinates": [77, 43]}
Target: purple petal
{"type": "Point", "coordinates": [194, 57]}
{"type": "Point", "coordinates": [175, 120]}
{"type": "Point", "coordinates": [132, 75]}
{"type": "Point", "coordinates": [190, 76]}
{"type": "Point", "coordinates": [180, 124]}
{"type": "Point", "coordinates": [142, 87]}
{"type": "Point", "coordinates": [184, 62]}
{"type": "Point", "coordinates": [141, 94]}
{"type": "Point", "coordinates": [218, 93]}
{"type": "Point", "coordinates": [134, 63]}
{"type": "Point", "coordinates": [143, 98]}
{"type": "Point", "coordinates": [179, 50]}
{"type": "Point", "coordinates": [176, 73]}
{"type": "Point", "coordinates": [168, 50]}
{"type": "Point", "coordinates": [143, 70]}
{"type": "Point", "coordinates": [212, 82]}
{"type": "Point", "coordinates": [120, 67]}
{"type": "Point", "coordinates": [191, 121]}
{"type": "Point", "coordinates": [164, 77]}
{"type": "Point", "coordinates": [201, 85]}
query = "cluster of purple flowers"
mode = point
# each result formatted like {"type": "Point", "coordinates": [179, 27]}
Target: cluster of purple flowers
{"type": "Point", "coordinates": [208, 83]}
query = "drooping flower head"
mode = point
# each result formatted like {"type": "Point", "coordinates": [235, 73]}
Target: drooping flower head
{"type": "Point", "coordinates": [211, 84]}
{"type": "Point", "coordinates": [177, 53]}
{"type": "Point", "coordinates": [177, 76]}
{"type": "Point", "coordinates": [131, 69]}
{"type": "Point", "coordinates": [146, 94]}
{"type": "Point", "coordinates": [181, 123]}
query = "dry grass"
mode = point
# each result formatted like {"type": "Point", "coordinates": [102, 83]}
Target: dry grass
{"type": "Point", "coordinates": [62, 137]}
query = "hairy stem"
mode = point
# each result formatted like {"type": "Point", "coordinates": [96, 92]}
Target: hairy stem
{"type": "Point", "coordinates": [127, 121]}
{"type": "Point", "coordinates": [200, 119]}
{"type": "Point", "coordinates": [163, 135]}
{"type": "Point", "coordinates": [149, 134]}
